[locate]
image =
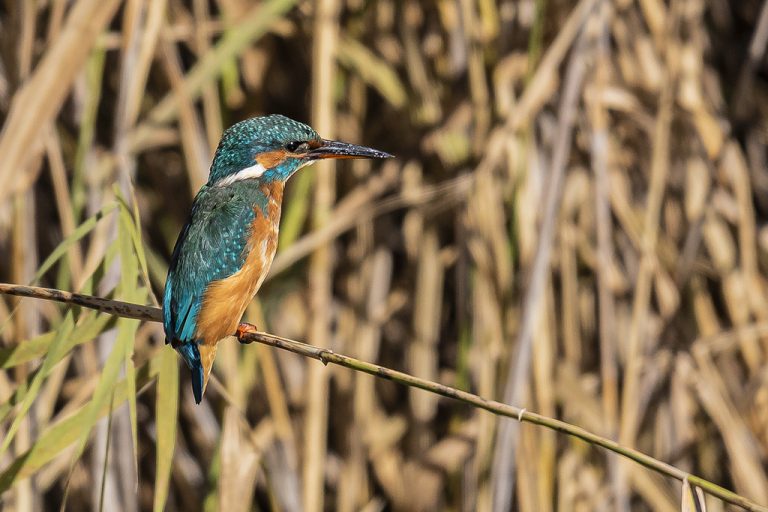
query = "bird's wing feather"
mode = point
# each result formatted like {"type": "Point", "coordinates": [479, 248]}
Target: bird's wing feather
{"type": "Point", "coordinates": [209, 248]}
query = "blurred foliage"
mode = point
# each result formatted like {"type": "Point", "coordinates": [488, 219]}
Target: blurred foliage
{"type": "Point", "coordinates": [651, 324]}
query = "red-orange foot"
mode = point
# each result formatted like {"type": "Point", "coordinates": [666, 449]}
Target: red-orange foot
{"type": "Point", "coordinates": [243, 329]}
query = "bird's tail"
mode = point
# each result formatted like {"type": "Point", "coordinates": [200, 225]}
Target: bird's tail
{"type": "Point", "coordinates": [190, 353]}
{"type": "Point", "coordinates": [197, 382]}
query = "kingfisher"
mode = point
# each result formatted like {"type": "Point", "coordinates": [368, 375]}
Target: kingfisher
{"type": "Point", "coordinates": [225, 249]}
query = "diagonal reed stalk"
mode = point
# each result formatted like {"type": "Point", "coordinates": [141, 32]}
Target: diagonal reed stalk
{"type": "Point", "coordinates": [326, 356]}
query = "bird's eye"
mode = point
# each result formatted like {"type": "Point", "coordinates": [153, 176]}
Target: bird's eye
{"type": "Point", "coordinates": [297, 146]}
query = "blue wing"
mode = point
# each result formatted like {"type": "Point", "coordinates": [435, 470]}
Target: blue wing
{"type": "Point", "coordinates": [209, 248]}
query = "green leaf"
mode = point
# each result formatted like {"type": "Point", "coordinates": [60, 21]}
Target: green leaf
{"type": "Point", "coordinates": [62, 249]}
{"type": "Point", "coordinates": [128, 290]}
{"type": "Point", "coordinates": [61, 435]}
{"type": "Point", "coordinates": [54, 356]}
{"type": "Point", "coordinates": [79, 232]}
{"type": "Point", "coordinates": [90, 326]}
{"type": "Point", "coordinates": [166, 414]}
{"type": "Point", "coordinates": [107, 382]}
{"type": "Point", "coordinates": [138, 245]}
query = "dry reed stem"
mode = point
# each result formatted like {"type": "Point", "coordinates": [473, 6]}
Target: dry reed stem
{"type": "Point", "coordinates": [519, 369]}
{"type": "Point", "coordinates": [638, 331]}
{"type": "Point", "coordinates": [35, 106]}
{"type": "Point", "coordinates": [607, 310]}
{"type": "Point", "coordinates": [324, 50]}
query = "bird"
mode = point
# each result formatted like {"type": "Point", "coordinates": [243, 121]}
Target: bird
{"type": "Point", "coordinates": [225, 249]}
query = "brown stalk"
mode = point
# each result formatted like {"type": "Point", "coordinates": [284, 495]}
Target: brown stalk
{"type": "Point", "coordinates": [326, 37]}
{"type": "Point", "coordinates": [519, 367]}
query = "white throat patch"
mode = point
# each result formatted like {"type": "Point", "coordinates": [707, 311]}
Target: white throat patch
{"type": "Point", "coordinates": [255, 171]}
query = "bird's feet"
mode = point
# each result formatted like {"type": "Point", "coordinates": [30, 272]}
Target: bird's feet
{"type": "Point", "coordinates": [243, 329]}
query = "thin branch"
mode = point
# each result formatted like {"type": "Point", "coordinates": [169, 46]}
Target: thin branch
{"type": "Point", "coordinates": [326, 356]}
{"type": "Point", "coordinates": [113, 307]}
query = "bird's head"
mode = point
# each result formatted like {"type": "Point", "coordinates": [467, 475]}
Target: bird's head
{"type": "Point", "coordinates": [272, 148]}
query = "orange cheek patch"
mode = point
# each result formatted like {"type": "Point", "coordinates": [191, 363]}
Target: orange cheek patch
{"type": "Point", "coordinates": [271, 159]}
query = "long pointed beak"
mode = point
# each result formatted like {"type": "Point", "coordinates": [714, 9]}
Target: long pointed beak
{"type": "Point", "coordinates": [336, 149]}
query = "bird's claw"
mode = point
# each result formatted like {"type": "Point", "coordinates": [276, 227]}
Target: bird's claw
{"type": "Point", "coordinates": [242, 330]}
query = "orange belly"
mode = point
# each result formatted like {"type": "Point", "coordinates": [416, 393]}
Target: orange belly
{"type": "Point", "coordinates": [225, 301]}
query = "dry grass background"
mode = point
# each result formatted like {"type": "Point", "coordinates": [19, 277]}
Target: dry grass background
{"type": "Point", "coordinates": [575, 224]}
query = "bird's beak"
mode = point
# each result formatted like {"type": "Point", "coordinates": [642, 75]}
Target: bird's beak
{"type": "Point", "coordinates": [336, 149]}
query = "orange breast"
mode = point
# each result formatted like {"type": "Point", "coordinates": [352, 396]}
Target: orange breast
{"type": "Point", "coordinates": [225, 301]}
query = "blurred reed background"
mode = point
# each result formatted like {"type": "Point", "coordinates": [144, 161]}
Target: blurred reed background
{"type": "Point", "coordinates": [575, 224]}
